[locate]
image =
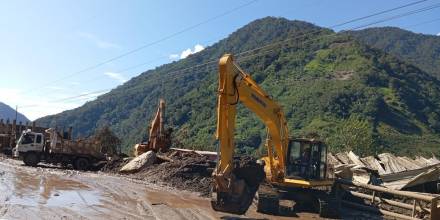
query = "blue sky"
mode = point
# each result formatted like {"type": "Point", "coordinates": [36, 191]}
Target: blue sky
{"type": "Point", "coordinates": [48, 40]}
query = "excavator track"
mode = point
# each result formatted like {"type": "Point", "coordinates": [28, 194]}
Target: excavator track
{"type": "Point", "coordinates": [268, 200]}
{"type": "Point", "coordinates": [328, 206]}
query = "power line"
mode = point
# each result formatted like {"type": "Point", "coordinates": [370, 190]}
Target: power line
{"type": "Point", "coordinates": [296, 37]}
{"type": "Point", "coordinates": [314, 32]}
{"type": "Point", "coordinates": [378, 13]}
{"type": "Point", "coordinates": [125, 69]}
{"type": "Point", "coordinates": [423, 23]}
{"type": "Point", "coordinates": [99, 92]}
{"type": "Point", "coordinates": [149, 44]}
{"type": "Point", "coordinates": [68, 98]}
{"type": "Point", "coordinates": [431, 7]}
{"type": "Point", "coordinates": [334, 26]}
{"type": "Point", "coordinates": [273, 44]}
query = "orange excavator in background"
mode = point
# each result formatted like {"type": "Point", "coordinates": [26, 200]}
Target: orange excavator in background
{"type": "Point", "coordinates": [159, 137]}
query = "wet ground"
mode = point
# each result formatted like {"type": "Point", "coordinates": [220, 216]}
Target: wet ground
{"type": "Point", "coordinates": [50, 193]}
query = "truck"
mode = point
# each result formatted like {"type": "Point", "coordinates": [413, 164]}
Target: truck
{"type": "Point", "coordinates": [53, 148]}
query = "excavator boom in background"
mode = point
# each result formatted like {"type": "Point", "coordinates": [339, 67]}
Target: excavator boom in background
{"type": "Point", "coordinates": [159, 137]}
{"type": "Point", "coordinates": [291, 166]}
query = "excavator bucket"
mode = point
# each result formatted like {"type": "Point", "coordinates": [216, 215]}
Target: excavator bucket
{"type": "Point", "coordinates": [232, 202]}
{"type": "Point", "coordinates": [243, 184]}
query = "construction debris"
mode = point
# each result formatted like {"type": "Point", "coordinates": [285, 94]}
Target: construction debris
{"type": "Point", "coordinates": [387, 170]}
{"type": "Point", "coordinates": [382, 184]}
{"type": "Point", "coordinates": [389, 202]}
{"type": "Point", "coordinates": [186, 170]}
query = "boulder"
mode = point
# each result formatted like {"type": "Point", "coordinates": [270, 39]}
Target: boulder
{"type": "Point", "coordinates": [144, 160]}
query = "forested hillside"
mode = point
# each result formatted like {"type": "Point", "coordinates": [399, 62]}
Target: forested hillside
{"type": "Point", "coordinates": [352, 96]}
{"type": "Point", "coordinates": [418, 49]}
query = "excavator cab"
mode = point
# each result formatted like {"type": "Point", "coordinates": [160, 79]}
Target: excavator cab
{"type": "Point", "coordinates": [306, 159]}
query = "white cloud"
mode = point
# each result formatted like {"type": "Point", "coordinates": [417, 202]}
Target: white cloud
{"type": "Point", "coordinates": [198, 48]}
{"type": "Point", "coordinates": [98, 41]}
{"type": "Point", "coordinates": [187, 52]}
{"type": "Point", "coordinates": [116, 76]}
{"type": "Point", "coordinates": [438, 34]}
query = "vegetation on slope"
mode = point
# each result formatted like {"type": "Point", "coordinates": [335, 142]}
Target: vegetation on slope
{"type": "Point", "coordinates": [418, 49]}
{"type": "Point", "coordinates": [352, 96]}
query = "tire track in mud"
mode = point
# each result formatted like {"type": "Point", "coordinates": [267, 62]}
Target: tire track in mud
{"type": "Point", "coordinates": [117, 197]}
{"type": "Point", "coordinates": [144, 208]}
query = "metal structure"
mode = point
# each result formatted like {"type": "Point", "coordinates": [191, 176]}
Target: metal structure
{"type": "Point", "coordinates": [384, 201]}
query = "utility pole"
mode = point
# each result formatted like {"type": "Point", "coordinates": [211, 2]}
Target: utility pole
{"type": "Point", "coordinates": [16, 112]}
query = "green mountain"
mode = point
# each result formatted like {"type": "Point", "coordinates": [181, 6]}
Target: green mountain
{"type": "Point", "coordinates": [420, 50]}
{"type": "Point", "coordinates": [351, 95]}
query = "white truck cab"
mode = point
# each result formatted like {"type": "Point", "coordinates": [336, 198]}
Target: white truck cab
{"type": "Point", "coordinates": [29, 141]}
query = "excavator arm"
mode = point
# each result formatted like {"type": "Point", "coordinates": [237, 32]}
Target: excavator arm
{"type": "Point", "coordinates": [159, 138]}
{"type": "Point", "coordinates": [233, 193]}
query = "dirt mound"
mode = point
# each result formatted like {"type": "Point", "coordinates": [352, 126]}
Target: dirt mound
{"type": "Point", "coordinates": [185, 170]}
{"type": "Point", "coordinates": [113, 166]}
{"type": "Point", "coordinates": [189, 170]}
{"type": "Point", "coordinates": [182, 170]}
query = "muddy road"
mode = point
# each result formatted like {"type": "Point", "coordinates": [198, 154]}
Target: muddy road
{"type": "Point", "coordinates": [51, 193]}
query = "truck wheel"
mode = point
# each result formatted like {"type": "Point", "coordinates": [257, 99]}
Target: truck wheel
{"type": "Point", "coordinates": [31, 159]}
{"type": "Point", "coordinates": [81, 164]}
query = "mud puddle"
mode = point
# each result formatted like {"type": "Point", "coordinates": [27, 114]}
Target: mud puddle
{"type": "Point", "coordinates": [36, 193]}
{"type": "Point", "coordinates": [42, 193]}
{"type": "Point", "coordinates": [49, 190]}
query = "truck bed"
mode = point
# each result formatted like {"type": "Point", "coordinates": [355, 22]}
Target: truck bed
{"type": "Point", "coordinates": [79, 147]}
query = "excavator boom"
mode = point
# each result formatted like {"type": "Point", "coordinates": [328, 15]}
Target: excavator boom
{"type": "Point", "coordinates": [159, 138]}
{"type": "Point", "coordinates": [233, 192]}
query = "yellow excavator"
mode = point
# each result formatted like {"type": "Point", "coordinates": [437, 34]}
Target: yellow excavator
{"type": "Point", "coordinates": [294, 169]}
{"type": "Point", "coordinates": [159, 137]}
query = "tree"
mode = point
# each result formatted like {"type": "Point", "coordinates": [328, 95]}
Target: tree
{"type": "Point", "coordinates": [353, 134]}
{"type": "Point", "coordinates": [109, 142]}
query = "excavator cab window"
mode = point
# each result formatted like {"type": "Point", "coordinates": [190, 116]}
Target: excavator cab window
{"type": "Point", "coordinates": [306, 159]}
